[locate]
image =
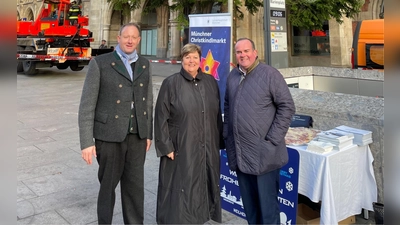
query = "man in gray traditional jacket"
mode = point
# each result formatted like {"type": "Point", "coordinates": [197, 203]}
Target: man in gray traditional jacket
{"type": "Point", "coordinates": [115, 124]}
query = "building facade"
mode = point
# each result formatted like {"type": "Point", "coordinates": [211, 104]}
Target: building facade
{"type": "Point", "coordinates": [162, 37]}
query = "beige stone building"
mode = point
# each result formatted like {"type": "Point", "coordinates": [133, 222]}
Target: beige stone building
{"type": "Point", "coordinates": [163, 38]}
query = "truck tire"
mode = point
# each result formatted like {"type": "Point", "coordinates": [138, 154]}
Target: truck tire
{"type": "Point", "coordinates": [78, 68]}
{"type": "Point", "coordinates": [75, 67]}
{"type": "Point", "coordinates": [20, 67]}
{"type": "Point", "coordinates": [29, 66]}
{"type": "Point", "coordinates": [62, 66]}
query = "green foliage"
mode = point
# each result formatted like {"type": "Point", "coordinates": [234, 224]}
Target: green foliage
{"type": "Point", "coordinates": [185, 7]}
{"type": "Point", "coordinates": [126, 6]}
{"type": "Point", "coordinates": [154, 4]}
{"type": "Point", "coordinates": [306, 14]}
{"type": "Point", "coordinates": [252, 7]}
{"type": "Point", "coordinates": [311, 14]}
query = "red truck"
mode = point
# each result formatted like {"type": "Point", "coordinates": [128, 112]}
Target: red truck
{"type": "Point", "coordinates": [53, 40]}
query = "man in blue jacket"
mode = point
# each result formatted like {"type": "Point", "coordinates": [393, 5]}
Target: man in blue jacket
{"type": "Point", "coordinates": [258, 110]}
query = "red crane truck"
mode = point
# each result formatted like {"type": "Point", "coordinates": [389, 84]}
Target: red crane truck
{"type": "Point", "coordinates": [53, 40]}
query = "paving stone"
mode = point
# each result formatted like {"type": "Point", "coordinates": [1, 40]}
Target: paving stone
{"type": "Point", "coordinates": [72, 133]}
{"type": "Point", "coordinates": [118, 219]}
{"type": "Point", "coordinates": [25, 209]}
{"type": "Point", "coordinates": [23, 192]}
{"type": "Point", "coordinates": [151, 186]}
{"type": "Point", "coordinates": [27, 132]}
{"type": "Point", "coordinates": [63, 199]}
{"type": "Point", "coordinates": [34, 172]}
{"type": "Point", "coordinates": [150, 207]}
{"type": "Point", "coordinates": [79, 163]}
{"type": "Point", "coordinates": [59, 181]}
{"type": "Point", "coordinates": [27, 150]}
{"type": "Point", "coordinates": [38, 140]}
{"type": "Point", "coordinates": [54, 146]}
{"type": "Point", "coordinates": [19, 139]}
{"type": "Point", "coordinates": [46, 157]}
{"type": "Point", "coordinates": [50, 217]}
{"type": "Point", "coordinates": [80, 213]}
{"type": "Point", "coordinates": [149, 218]}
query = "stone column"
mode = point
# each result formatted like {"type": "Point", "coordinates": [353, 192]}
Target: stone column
{"type": "Point", "coordinates": [96, 11]}
{"type": "Point", "coordinates": [340, 39]}
{"type": "Point", "coordinates": [136, 15]}
{"type": "Point", "coordinates": [106, 32]}
{"type": "Point", "coordinates": [174, 42]}
{"type": "Point", "coordinates": [162, 31]}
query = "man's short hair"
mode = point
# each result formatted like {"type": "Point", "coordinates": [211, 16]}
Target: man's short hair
{"type": "Point", "coordinates": [128, 25]}
{"type": "Point", "coordinates": [104, 40]}
{"type": "Point", "coordinates": [248, 39]}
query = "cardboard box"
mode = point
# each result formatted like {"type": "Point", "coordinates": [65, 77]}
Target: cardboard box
{"type": "Point", "coordinates": [306, 215]}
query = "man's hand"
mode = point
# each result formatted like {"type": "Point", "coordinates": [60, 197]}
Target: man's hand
{"type": "Point", "coordinates": [87, 154]}
{"type": "Point", "coordinates": [148, 145]}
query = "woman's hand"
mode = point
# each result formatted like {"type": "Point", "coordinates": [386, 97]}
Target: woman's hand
{"type": "Point", "coordinates": [171, 155]}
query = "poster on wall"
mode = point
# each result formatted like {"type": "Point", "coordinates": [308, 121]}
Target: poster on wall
{"type": "Point", "coordinates": [288, 190]}
{"type": "Point", "coordinates": [231, 199]}
{"type": "Point", "coordinates": [212, 32]}
{"type": "Point", "coordinates": [278, 42]}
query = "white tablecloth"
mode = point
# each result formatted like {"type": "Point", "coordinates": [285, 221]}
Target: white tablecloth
{"type": "Point", "coordinates": [343, 181]}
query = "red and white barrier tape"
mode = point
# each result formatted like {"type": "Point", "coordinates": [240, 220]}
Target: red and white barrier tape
{"type": "Point", "coordinates": [50, 57]}
{"type": "Point", "coordinates": [166, 61]}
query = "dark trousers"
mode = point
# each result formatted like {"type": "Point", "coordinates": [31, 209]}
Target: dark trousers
{"type": "Point", "coordinates": [260, 197]}
{"type": "Point", "coordinates": [121, 162]}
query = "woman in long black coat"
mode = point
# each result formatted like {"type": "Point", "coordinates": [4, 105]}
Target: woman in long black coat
{"type": "Point", "coordinates": [188, 136]}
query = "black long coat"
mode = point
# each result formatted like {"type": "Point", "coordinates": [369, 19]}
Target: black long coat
{"type": "Point", "coordinates": [188, 122]}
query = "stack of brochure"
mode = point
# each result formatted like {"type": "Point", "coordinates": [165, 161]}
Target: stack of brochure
{"type": "Point", "coordinates": [340, 139]}
{"type": "Point", "coordinates": [319, 147]}
{"type": "Point", "coordinates": [361, 137]}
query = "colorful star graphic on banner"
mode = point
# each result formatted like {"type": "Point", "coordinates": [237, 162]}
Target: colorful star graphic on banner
{"type": "Point", "coordinates": [209, 65]}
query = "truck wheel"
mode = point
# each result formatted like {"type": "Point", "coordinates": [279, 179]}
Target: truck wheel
{"type": "Point", "coordinates": [20, 68]}
{"type": "Point", "coordinates": [75, 67]}
{"type": "Point", "coordinates": [79, 68]}
{"type": "Point", "coordinates": [30, 67]}
{"type": "Point", "coordinates": [62, 66]}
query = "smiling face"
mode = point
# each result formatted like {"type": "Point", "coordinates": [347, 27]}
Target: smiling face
{"type": "Point", "coordinates": [129, 39]}
{"type": "Point", "coordinates": [245, 53]}
{"type": "Point", "coordinates": [191, 63]}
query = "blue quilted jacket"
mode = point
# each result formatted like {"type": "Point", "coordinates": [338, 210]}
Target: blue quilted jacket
{"type": "Point", "coordinates": [257, 114]}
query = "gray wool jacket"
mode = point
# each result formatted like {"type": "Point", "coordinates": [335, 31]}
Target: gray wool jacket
{"type": "Point", "coordinates": [107, 95]}
{"type": "Point", "coordinates": [257, 115]}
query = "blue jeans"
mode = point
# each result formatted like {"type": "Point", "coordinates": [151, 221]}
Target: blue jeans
{"type": "Point", "coordinates": [260, 197]}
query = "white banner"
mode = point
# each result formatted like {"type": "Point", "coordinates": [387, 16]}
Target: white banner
{"type": "Point", "coordinates": [210, 20]}
{"type": "Point", "coordinates": [277, 4]}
